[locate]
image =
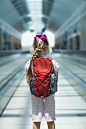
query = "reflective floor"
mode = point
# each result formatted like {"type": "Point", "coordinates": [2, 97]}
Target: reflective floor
{"type": "Point", "coordinates": [70, 99]}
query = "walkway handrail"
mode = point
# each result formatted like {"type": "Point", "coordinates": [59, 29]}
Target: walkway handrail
{"type": "Point", "coordinates": [9, 52]}
{"type": "Point", "coordinates": [69, 51]}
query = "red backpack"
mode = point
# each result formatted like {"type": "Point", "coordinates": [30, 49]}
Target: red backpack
{"type": "Point", "coordinates": [41, 70]}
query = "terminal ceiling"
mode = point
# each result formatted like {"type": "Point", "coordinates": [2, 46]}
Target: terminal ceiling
{"type": "Point", "coordinates": [53, 13]}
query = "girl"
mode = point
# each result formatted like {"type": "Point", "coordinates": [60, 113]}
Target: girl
{"type": "Point", "coordinates": [42, 110]}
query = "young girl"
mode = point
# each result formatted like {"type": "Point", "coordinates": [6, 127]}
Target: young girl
{"type": "Point", "coordinates": [42, 110]}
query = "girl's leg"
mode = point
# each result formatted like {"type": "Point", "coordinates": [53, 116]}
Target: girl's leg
{"type": "Point", "coordinates": [36, 125]}
{"type": "Point", "coordinates": [51, 125]}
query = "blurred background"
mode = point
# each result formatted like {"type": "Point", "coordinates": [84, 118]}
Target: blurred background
{"type": "Point", "coordinates": [64, 23]}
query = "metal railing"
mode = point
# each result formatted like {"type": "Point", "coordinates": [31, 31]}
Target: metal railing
{"type": "Point", "coordinates": [66, 51]}
{"type": "Point", "coordinates": [10, 52]}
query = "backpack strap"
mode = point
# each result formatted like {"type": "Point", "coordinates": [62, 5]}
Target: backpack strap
{"type": "Point", "coordinates": [52, 68]}
{"type": "Point", "coordinates": [52, 64]}
{"type": "Point", "coordinates": [32, 69]}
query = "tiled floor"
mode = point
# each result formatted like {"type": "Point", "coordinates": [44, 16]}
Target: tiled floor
{"type": "Point", "coordinates": [70, 108]}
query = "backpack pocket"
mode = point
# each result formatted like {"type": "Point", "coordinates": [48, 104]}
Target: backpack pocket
{"type": "Point", "coordinates": [32, 83]}
{"type": "Point", "coordinates": [53, 84]}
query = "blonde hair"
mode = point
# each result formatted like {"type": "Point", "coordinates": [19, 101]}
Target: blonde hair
{"type": "Point", "coordinates": [38, 46]}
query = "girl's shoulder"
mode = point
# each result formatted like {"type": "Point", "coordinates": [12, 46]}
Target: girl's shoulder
{"type": "Point", "coordinates": [56, 66]}
{"type": "Point", "coordinates": [28, 62]}
{"type": "Point", "coordinates": [27, 65]}
{"type": "Point", "coordinates": [55, 62]}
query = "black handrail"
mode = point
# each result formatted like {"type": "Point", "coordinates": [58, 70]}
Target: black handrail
{"type": "Point", "coordinates": [66, 51]}
{"type": "Point", "coordinates": [10, 52]}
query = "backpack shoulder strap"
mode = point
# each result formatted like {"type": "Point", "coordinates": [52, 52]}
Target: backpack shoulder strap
{"type": "Point", "coordinates": [50, 58]}
{"type": "Point", "coordinates": [32, 69]}
{"type": "Point", "coordinates": [52, 64]}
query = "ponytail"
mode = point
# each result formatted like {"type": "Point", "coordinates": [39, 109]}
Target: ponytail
{"type": "Point", "coordinates": [37, 50]}
{"type": "Point", "coordinates": [35, 54]}
{"type": "Point", "coordinates": [38, 46]}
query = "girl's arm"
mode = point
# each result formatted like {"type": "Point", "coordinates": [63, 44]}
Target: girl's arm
{"type": "Point", "coordinates": [27, 79]}
{"type": "Point", "coordinates": [28, 76]}
{"type": "Point", "coordinates": [56, 68]}
{"type": "Point", "coordinates": [27, 72]}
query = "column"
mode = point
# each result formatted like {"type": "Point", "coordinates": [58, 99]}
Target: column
{"type": "Point", "coordinates": [0, 38]}
{"type": "Point", "coordinates": [83, 34]}
{"type": "Point", "coordinates": [74, 43]}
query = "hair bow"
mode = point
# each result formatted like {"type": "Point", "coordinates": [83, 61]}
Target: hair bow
{"type": "Point", "coordinates": [40, 36]}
